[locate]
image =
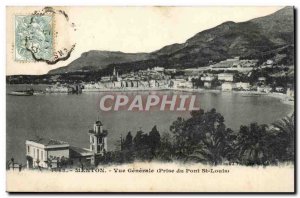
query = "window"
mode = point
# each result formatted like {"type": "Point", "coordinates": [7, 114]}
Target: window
{"type": "Point", "coordinates": [38, 154]}
{"type": "Point", "coordinates": [34, 152]}
{"type": "Point", "coordinates": [28, 150]}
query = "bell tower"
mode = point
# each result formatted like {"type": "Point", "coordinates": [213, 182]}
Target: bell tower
{"type": "Point", "coordinates": [98, 138]}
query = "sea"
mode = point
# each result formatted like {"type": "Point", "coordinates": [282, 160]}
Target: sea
{"type": "Point", "coordinates": [68, 117]}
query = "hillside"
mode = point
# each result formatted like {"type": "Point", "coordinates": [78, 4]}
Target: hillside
{"type": "Point", "coordinates": [261, 38]}
{"type": "Point", "coordinates": [97, 60]}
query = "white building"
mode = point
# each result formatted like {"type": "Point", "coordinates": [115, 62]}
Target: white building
{"type": "Point", "coordinates": [225, 77]}
{"type": "Point", "coordinates": [58, 89]}
{"type": "Point", "coordinates": [262, 80]}
{"type": "Point", "coordinates": [279, 89]}
{"type": "Point", "coordinates": [105, 78]}
{"type": "Point", "coordinates": [242, 85]}
{"type": "Point", "coordinates": [265, 89]}
{"type": "Point", "coordinates": [228, 86]}
{"type": "Point", "coordinates": [171, 70]}
{"type": "Point", "coordinates": [185, 84]}
{"type": "Point", "coordinates": [41, 150]}
{"type": "Point", "coordinates": [190, 78]}
{"type": "Point", "coordinates": [207, 84]}
{"type": "Point", "coordinates": [181, 83]}
{"type": "Point", "coordinates": [152, 83]}
{"type": "Point", "coordinates": [159, 69]}
{"type": "Point", "coordinates": [117, 84]}
{"type": "Point", "coordinates": [208, 78]}
{"type": "Point", "coordinates": [162, 83]}
{"type": "Point", "coordinates": [49, 153]}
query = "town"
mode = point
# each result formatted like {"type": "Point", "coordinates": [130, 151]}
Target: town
{"type": "Point", "coordinates": [235, 74]}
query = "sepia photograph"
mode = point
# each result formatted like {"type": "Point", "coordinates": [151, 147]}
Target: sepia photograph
{"type": "Point", "coordinates": [150, 99]}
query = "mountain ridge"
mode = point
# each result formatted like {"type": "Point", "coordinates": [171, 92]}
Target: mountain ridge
{"type": "Point", "coordinates": [249, 39]}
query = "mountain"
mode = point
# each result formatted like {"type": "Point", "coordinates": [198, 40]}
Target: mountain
{"type": "Point", "coordinates": [97, 60]}
{"type": "Point", "coordinates": [271, 36]}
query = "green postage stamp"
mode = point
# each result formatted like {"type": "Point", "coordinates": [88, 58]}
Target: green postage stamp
{"type": "Point", "coordinates": [33, 37]}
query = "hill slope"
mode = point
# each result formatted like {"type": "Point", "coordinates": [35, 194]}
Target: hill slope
{"type": "Point", "coordinates": [259, 38]}
{"type": "Point", "coordinates": [96, 60]}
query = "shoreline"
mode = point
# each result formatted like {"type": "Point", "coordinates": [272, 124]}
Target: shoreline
{"type": "Point", "coordinates": [153, 89]}
{"type": "Point", "coordinates": [282, 97]}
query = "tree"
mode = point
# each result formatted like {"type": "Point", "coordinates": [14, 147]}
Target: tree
{"type": "Point", "coordinates": [240, 77]}
{"type": "Point", "coordinates": [216, 141]}
{"type": "Point", "coordinates": [154, 139]}
{"type": "Point", "coordinates": [215, 83]}
{"type": "Point", "coordinates": [140, 140]}
{"type": "Point", "coordinates": [252, 144]}
{"type": "Point", "coordinates": [180, 143]}
{"type": "Point", "coordinates": [165, 152]}
{"type": "Point", "coordinates": [197, 82]}
{"type": "Point", "coordinates": [127, 144]}
{"type": "Point", "coordinates": [203, 137]}
{"type": "Point", "coordinates": [282, 145]}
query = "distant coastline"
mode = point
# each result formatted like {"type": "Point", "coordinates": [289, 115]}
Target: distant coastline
{"type": "Point", "coordinates": [282, 97]}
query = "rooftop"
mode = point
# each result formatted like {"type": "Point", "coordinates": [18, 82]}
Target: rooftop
{"type": "Point", "coordinates": [47, 141]}
{"type": "Point", "coordinates": [79, 152]}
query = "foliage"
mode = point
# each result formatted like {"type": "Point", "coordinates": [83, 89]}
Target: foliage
{"type": "Point", "coordinates": [252, 144]}
{"type": "Point", "coordinates": [283, 144]}
{"type": "Point", "coordinates": [205, 138]}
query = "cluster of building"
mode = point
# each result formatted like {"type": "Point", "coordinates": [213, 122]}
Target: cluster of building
{"type": "Point", "coordinates": [64, 88]}
{"type": "Point", "coordinates": [143, 79]}
{"type": "Point", "coordinates": [160, 78]}
{"type": "Point", "coordinates": [49, 153]}
{"type": "Point", "coordinates": [215, 76]}
{"type": "Point", "coordinates": [226, 80]}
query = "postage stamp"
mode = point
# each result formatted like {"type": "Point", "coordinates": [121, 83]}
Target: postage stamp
{"type": "Point", "coordinates": [33, 37]}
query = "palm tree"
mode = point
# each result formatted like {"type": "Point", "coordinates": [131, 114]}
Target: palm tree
{"type": "Point", "coordinates": [285, 134]}
{"type": "Point", "coordinates": [216, 147]}
{"type": "Point", "coordinates": [252, 144]}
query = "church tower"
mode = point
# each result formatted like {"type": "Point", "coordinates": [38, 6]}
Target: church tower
{"type": "Point", "coordinates": [98, 138]}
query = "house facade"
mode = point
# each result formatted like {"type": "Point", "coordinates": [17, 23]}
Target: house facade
{"type": "Point", "coordinates": [49, 153]}
{"type": "Point", "coordinates": [39, 151]}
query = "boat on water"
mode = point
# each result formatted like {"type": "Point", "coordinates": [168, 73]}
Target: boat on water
{"type": "Point", "coordinates": [22, 93]}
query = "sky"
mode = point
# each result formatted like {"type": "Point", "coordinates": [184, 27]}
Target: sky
{"type": "Point", "coordinates": [126, 29]}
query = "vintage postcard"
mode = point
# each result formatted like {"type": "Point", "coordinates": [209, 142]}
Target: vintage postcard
{"type": "Point", "coordinates": [150, 99]}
